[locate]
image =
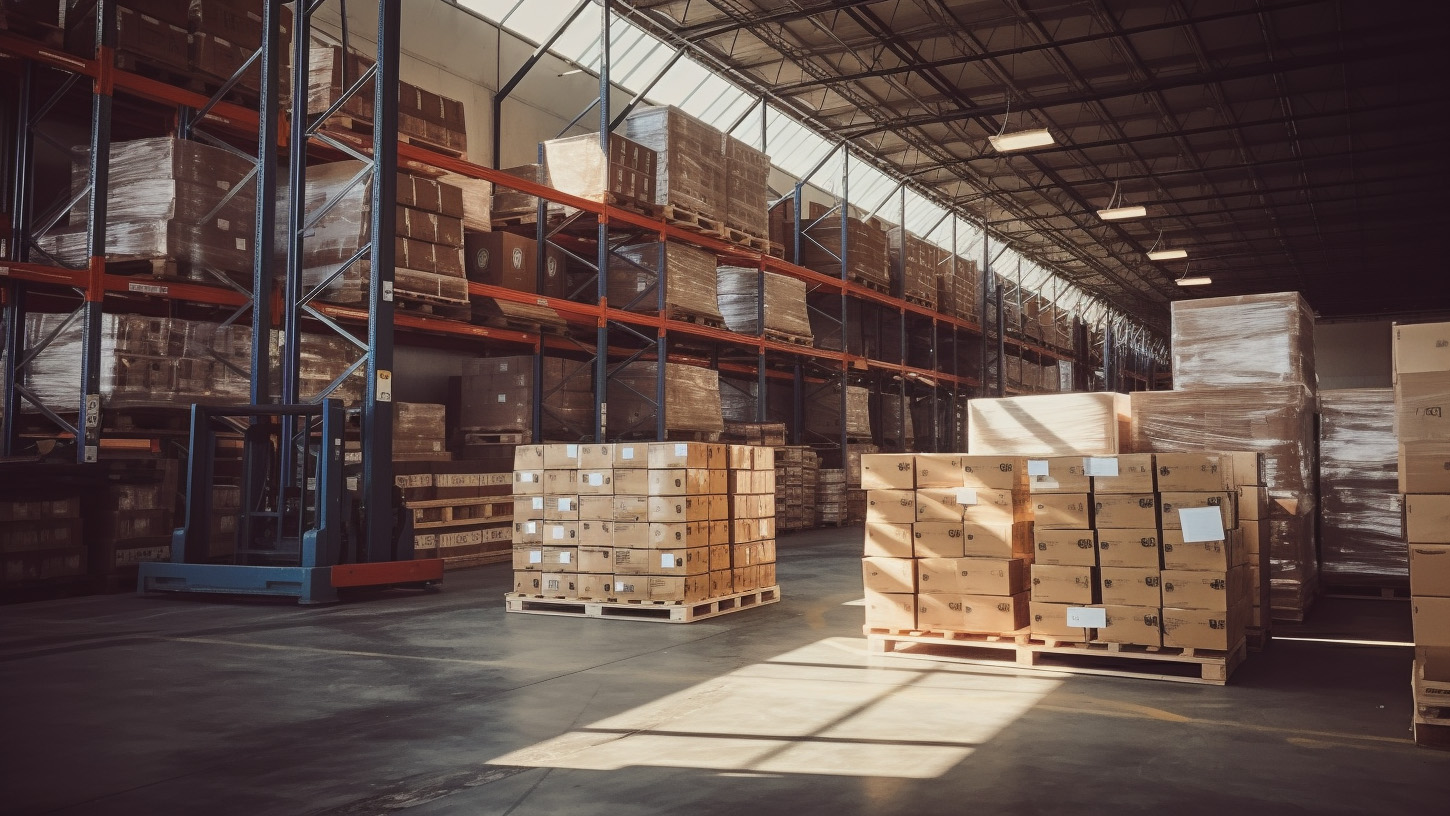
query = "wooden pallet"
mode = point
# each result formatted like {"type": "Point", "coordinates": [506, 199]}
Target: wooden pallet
{"type": "Point", "coordinates": [919, 301]}
{"type": "Point", "coordinates": [883, 288]}
{"type": "Point", "coordinates": [1373, 593]}
{"type": "Point", "coordinates": [408, 302]}
{"type": "Point", "coordinates": [466, 560]}
{"type": "Point", "coordinates": [496, 438]}
{"type": "Point", "coordinates": [1215, 667]}
{"type": "Point", "coordinates": [783, 337]}
{"type": "Point", "coordinates": [695, 222]}
{"type": "Point", "coordinates": [657, 611]}
{"type": "Point", "coordinates": [354, 130]}
{"type": "Point", "coordinates": [439, 513]}
{"type": "Point", "coordinates": [709, 321]}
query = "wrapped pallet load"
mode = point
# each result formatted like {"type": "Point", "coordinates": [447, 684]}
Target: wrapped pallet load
{"type": "Point", "coordinates": [1048, 425]}
{"type": "Point", "coordinates": [915, 261]}
{"type": "Point", "coordinates": [1247, 340]}
{"type": "Point", "coordinates": [1360, 506]}
{"type": "Point", "coordinates": [691, 161]}
{"type": "Point", "coordinates": [747, 188]}
{"type": "Point", "coordinates": [688, 273]}
{"type": "Point", "coordinates": [497, 396]}
{"type": "Point", "coordinates": [578, 166]}
{"type": "Point", "coordinates": [785, 303]}
{"type": "Point", "coordinates": [823, 411]}
{"type": "Point", "coordinates": [692, 399]}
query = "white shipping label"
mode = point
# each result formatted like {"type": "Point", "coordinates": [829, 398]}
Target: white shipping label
{"type": "Point", "coordinates": [1036, 467]}
{"type": "Point", "coordinates": [571, 451]}
{"type": "Point", "coordinates": [531, 527]}
{"type": "Point", "coordinates": [626, 453]}
{"type": "Point", "coordinates": [1084, 617]}
{"type": "Point", "coordinates": [536, 556]}
{"type": "Point", "coordinates": [682, 450]}
{"type": "Point", "coordinates": [1100, 466]}
{"type": "Point", "coordinates": [242, 244]}
{"type": "Point", "coordinates": [503, 368]}
{"type": "Point", "coordinates": [502, 398]}
{"type": "Point", "coordinates": [566, 504]}
{"type": "Point", "coordinates": [668, 561]}
{"type": "Point", "coordinates": [564, 557]}
{"type": "Point", "coordinates": [596, 479]}
{"type": "Point", "coordinates": [558, 531]}
{"type": "Point", "coordinates": [538, 503]}
{"type": "Point", "coordinates": [619, 586]}
{"type": "Point", "coordinates": [526, 477]}
{"type": "Point", "coordinates": [223, 224]}
{"type": "Point", "coordinates": [966, 496]}
{"type": "Point", "coordinates": [1201, 524]}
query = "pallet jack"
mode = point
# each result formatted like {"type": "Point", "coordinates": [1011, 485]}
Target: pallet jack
{"type": "Point", "coordinates": [298, 530]}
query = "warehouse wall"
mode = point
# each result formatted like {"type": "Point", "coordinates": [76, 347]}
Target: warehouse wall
{"type": "Point", "coordinates": [1353, 354]}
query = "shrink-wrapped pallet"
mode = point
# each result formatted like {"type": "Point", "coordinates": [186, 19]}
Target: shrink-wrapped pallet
{"type": "Point", "coordinates": [419, 430]}
{"type": "Point", "coordinates": [578, 166]}
{"type": "Point", "coordinates": [1242, 341]}
{"type": "Point", "coordinates": [510, 203]}
{"type": "Point", "coordinates": [1360, 505]}
{"type": "Point", "coordinates": [688, 273]}
{"type": "Point", "coordinates": [823, 412]}
{"type": "Point", "coordinates": [497, 396]}
{"type": "Point", "coordinates": [915, 261]}
{"type": "Point", "coordinates": [785, 302]}
{"type": "Point", "coordinates": [957, 286]}
{"type": "Point", "coordinates": [423, 116]}
{"type": "Point", "coordinates": [897, 426]}
{"type": "Point", "coordinates": [691, 159]}
{"type": "Point", "coordinates": [1048, 425]}
{"type": "Point", "coordinates": [747, 188]}
{"type": "Point", "coordinates": [692, 399]}
{"type": "Point", "coordinates": [1277, 421]}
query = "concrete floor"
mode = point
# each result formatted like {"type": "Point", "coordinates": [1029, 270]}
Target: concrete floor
{"type": "Point", "coordinates": [442, 703]}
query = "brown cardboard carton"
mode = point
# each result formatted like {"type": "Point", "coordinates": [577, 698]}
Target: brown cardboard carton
{"type": "Point", "coordinates": [632, 455]}
{"type": "Point", "coordinates": [1245, 467]}
{"type": "Point", "coordinates": [889, 540]}
{"type": "Point", "coordinates": [561, 533]}
{"type": "Point", "coordinates": [1421, 347]}
{"type": "Point", "coordinates": [721, 583]}
{"type": "Point", "coordinates": [1052, 583]}
{"type": "Point", "coordinates": [561, 508]}
{"type": "Point", "coordinates": [1062, 511]}
{"type": "Point", "coordinates": [674, 535]}
{"type": "Point", "coordinates": [596, 457]}
{"type": "Point", "coordinates": [528, 483]}
{"type": "Point", "coordinates": [631, 534]}
{"type": "Point", "coordinates": [529, 457]}
{"type": "Point", "coordinates": [1203, 589]}
{"type": "Point", "coordinates": [702, 482]}
{"type": "Point", "coordinates": [1253, 504]}
{"type": "Point", "coordinates": [595, 559]}
{"type": "Point", "coordinates": [745, 579]}
{"type": "Point", "coordinates": [1202, 629]}
{"type": "Point", "coordinates": [1133, 625]}
{"type": "Point", "coordinates": [1431, 619]}
{"type": "Point", "coordinates": [630, 587]}
{"type": "Point", "coordinates": [692, 561]}
{"type": "Point", "coordinates": [1422, 407]}
{"type": "Point", "coordinates": [596, 508]}
{"type": "Point", "coordinates": [665, 509]}
{"type": "Point", "coordinates": [674, 482]}
{"type": "Point", "coordinates": [528, 583]}
{"type": "Point", "coordinates": [719, 557]}
{"type": "Point", "coordinates": [994, 614]}
{"type": "Point", "coordinates": [528, 532]}
{"type": "Point", "coordinates": [1068, 547]}
{"type": "Point", "coordinates": [718, 532]}
{"type": "Point", "coordinates": [688, 588]}
{"type": "Point", "coordinates": [631, 481]}
{"type": "Point", "coordinates": [1129, 586]}
{"type": "Point", "coordinates": [1171, 503]}
{"type": "Point", "coordinates": [889, 574]}
{"type": "Point", "coordinates": [765, 574]}
{"type": "Point", "coordinates": [678, 455]}
{"type": "Point", "coordinates": [529, 507]}
{"type": "Point", "coordinates": [1203, 555]}
{"type": "Point", "coordinates": [993, 506]}
{"type": "Point", "coordinates": [1093, 424]}
{"type": "Point", "coordinates": [1193, 472]}
{"type": "Point", "coordinates": [994, 472]}
{"type": "Point", "coordinates": [559, 584]}
{"type": "Point", "coordinates": [740, 457]}
{"type": "Point", "coordinates": [595, 585]}
{"type": "Point", "coordinates": [970, 576]}
{"type": "Point", "coordinates": [596, 482]}
{"type": "Point", "coordinates": [1430, 570]}
{"type": "Point", "coordinates": [561, 559]}
{"type": "Point", "coordinates": [1427, 519]}
{"type": "Point", "coordinates": [752, 553]}
{"type": "Point", "coordinates": [888, 471]}
{"type": "Point", "coordinates": [1125, 511]}
{"type": "Point", "coordinates": [528, 558]}
{"type": "Point", "coordinates": [1135, 475]}
{"type": "Point", "coordinates": [1129, 548]}
{"type": "Point", "coordinates": [1048, 621]}
{"type": "Point", "coordinates": [630, 561]}
{"type": "Point", "coordinates": [717, 456]}
{"type": "Point", "coordinates": [891, 611]}
{"type": "Point", "coordinates": [937, 470]}
{"type": "Point", "coordinates": [936, 539]}
{"type": "Point", "coordinates": [896, 506]}
{"type": "Point", "coordinates": [561, 457]}
{"type": "Point", "coordinates": [938, 504]}
{"type": "Point", "coordinates": [1425, 467]}
{"type": "Point", "coordinates": [997, 540]}
{"type": "Point", "coordinates": [1065, 474]}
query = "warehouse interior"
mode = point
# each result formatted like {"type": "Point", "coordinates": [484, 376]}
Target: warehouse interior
{"type": "Point", "coordinates": [827, 362]}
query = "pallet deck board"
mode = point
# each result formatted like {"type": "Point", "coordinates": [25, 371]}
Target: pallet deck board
{"type": "Point", "coordinates": [656, 611]}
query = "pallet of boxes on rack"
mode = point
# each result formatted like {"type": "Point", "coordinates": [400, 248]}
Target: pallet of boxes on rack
{"type": "Point", "coordinates": [795, 467]}
{"type": "Point", "coordinates": [1422, 390]}
{"type": "Point", "coordinates": [665, 531]}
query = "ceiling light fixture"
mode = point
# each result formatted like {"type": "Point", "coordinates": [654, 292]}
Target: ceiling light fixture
{"type": "Point", "coordinates": [1022, 139]}
{"type": "Point", "coordinates": [1197, 280]}
{"type": "Point", "coordinates": [1156, 254]}
{"type": "Point", "coordinates": [1112, 213]}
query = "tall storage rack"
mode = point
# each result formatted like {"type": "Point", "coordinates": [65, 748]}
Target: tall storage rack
{"type": "Point", "coordinates": [962, 359]}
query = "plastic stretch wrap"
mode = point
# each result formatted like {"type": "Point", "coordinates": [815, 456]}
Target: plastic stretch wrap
{"type": "Point", "coordinates": [1360, 505]}
{"type": "Point", "coordinates": [918, 282]}
{"type": "Point", "coordinates": [422, 114]}
{"type": "Point", "coordinates": [1048, 425]}
{"type": "Point", "coordinates": [579, 167]}
{"type": "Point", "coordinates": [866, 255]}
{"type": "Point", "coordinates": [689, 275]}
{"type": "Point", "coordinates": [477, 196]}
{"type": "Point", "coordinates": [507, 202]}
{"type": "Point", "coordinates": [1277, 421]}
{"type": "Point", "coordinates": [498, 396]}
{"type": "Point", "coordinates": [823, 411]}
{"type": "Point", "coordinates": [1241, 341]}
{"type": "Point", "coordinates": [747, 188]}
{"type": "Point", "coordinates": [692, 399]}
{"type": "Point", "coordinates": [957, 291]}
{"type": "Point", "coordinates": [896, 410]}
{"type": "Point", "coordinates": [785, 302]}
{"type": "Point", "coordinates": [738, 399]}
{"type": "Point", "coordinates": [418, 427]}
{"type": "Point", "coordinates": [691, 159]}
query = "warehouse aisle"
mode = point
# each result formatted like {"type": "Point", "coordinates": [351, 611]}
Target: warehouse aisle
{"type": "Point", "coordinates": [434, 704]}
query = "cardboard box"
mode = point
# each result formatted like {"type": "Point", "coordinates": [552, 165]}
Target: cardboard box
{"type": "Point", "coordinates": [1055, 583]}
{"type": "Point", "coordinates": [722, 583]}
{"type": "Point", "coordinates": [1130, 586]}
{"type": "Point", "coordinates": [1136, 474]}
{"type": "Point", "coordinates": [559, 584]}
{"type": "Point", "coordinates": [889, 540]}
{"type": "Point", "coordinates": [895, 506]}
{"type": "Point", "coordinates": [561, 457]}
{"type": "Point", "coordinates": [596, 559]}
{"type": "Point", "coordinates": [594, 585]}
{"type": "Point", "coordinates": [752, 553]}
{"type": "Point", "coordinates": [1133, 625]}
{"type": "Point", "coordinates": [1065, 474]}
{"type": "Point", "coordinates": [1193, 472]}
{"type": "Point", "coordinates": [596, 457]}
{"type": "Point", "coordinates": [528, 483]}
{"type": "Point", "coordinates": [665, 455]}
{"type": "Point", "coordinates": [937, 470]}
{"type": "Point", "coordinates": [1200, 589]}
{"type": "Point", "coordinates": [561, 533]}
{"type": "Point", "coordinates": [1424, 467]}
{"type": "Point", "coordinates": [1093, 424]}
{"type": "Point", "coordinates": [1203, 555]}
{"type": "Point", "coordinates": [993, 506]}
{"type": "Point", "coordinates": [1252, 504]}
{"type": "Point", "coordinates": [561, 559]}
{"type": "Point", "coordinates": [663, 509]}
{"type": "Point", "coordinates": [529, 457]}
{"type": "Point", "coordinates": [631, 455]}
{"type": "Point", "coordinates": [994, 472]}
{"type": "Point", "coordinates": [1431, 619]}
{"type": "Point", "coordinates": [1430, 570]}
{"type": "Point", "coordinates": [1125, 511]}
{"type": "Point", "coordinates": [937, 539]}
{"type": "Point", "coordinates": [970, 576]}
{"type": "Point", "coordinates": [1048, 621]}
{"type": "Point", "coordinates": [561, 508]}
{"type": "Point", "coordinates": [1420, 347]}
{"type": "Point", "coordinates": [740, 457]}
{"type": "Point", "coordinates": [1427, 519]}
{"type": "Point", "coordinates": [1421, 403]}
{"type": "Point", "coordinates": [992, 614]}
{"type": "Point", "coordinates": [673, 482]}
{"type": "Point", "coordinates": [938, 504]}
{"type": "Point", "coordinates": [596, 508]}
{"type": "Point", "coordinates": [1063, 511]}
{"type": "Point", "coordinates": [631, 534]}
{"type": "Point", "coordinates": [997, 540]}
{"type": "Point", "coordinates": [528, 558]}
{"type": "Point", "coordinates": [888, 471]}
{"type": "Point", "coordinates": [528, 583]}
{"type": "Point", "coordinates": [1203, 629]}
{"type": "Point", "coordinates": [596, 482]}
{"type": "Point", "coordinates": [890, 611]}
{"type": "Point", "coordinates": [1245, 467]}
{"type": "Point", "coordinates": [629, 587]}
{"type": "Point", "coordinates": [745, 579]}
{"type": "Point", "coordinates": [529, 507]}
{"type": "Point", "coordinates": [889, 574]}
{"type": "Point", "coordinates": [674, 535]}
{"type": "Point", "coordinates": [528, 532]}
{"type": "Point", "coordinates": [692, 561]}
{"type": "Point", "coordinates": [719, 556]}
{"type": "Point", "coordinates": [1067, 547]}
{"type": "Point", "coordinates": [1139, 548]}
{"type": "Point", "coordinates": [1171, 503]}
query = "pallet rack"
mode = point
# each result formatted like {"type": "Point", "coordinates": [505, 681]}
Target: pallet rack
{"type": "Point", "coordinates": [619, 337]}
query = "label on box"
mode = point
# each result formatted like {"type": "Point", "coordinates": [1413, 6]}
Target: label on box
{"type": "Point", "coordinates": [1036, 467]}
{"type": "Point", "coordinates": [626, 453]}
{"type": "Point", "coordinates": [966, 495]}
{"type": "Point", "coordinates": [503, 397]}
{"type": "Point", "coordinates": [525, 476]}
{"type": "Point", "coordinates": [1100, 466]}
{"type": "Point", "coordinates": [1201, 524]}
{"type": "Point", "coordinates": [564, 557]}
{"type": "Point", "coordinates": [1084, 617]}
{"type": "Point", "coordinates": [536, 556]}
{"type": "Point", "coordinates": [538, 503]}
{"type": "Point", "coordinates": [558, 531]}
{"type": "Point", "coordinates": [668, 561]}
{"type": "Point", "coordinates": [596, 479]}
{"type": "Point", "coordinates": [531, 527]}
{"type": "Point", "coordinates": [682, 450]}
{"type": "Point", "coordinates": [571, 451]}
{"type": "Point", "coordinates": [566, 504]}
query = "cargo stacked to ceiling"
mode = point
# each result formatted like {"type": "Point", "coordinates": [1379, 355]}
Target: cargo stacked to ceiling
{"type": "Point", "coordinates": [660, 522]}
{"type": "Point", "coordinates": [1243, 370]}
{"type": "Point", "coordinates": [1362, 545]}
{"type": "Point", "coordinates": [1422, 391]}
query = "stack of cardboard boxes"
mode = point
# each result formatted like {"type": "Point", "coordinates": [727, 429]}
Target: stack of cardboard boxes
{"type": "Point", "coordinates": [655, 521]}
{"type": "Point", "coordinates": [795, 467]}
{"type": "Point", "coordinates": [1422, 392]}
{"type": "Point", "coordinates": [1109, 535]}
{"type": "Point", "coordinates": [948, 542]}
